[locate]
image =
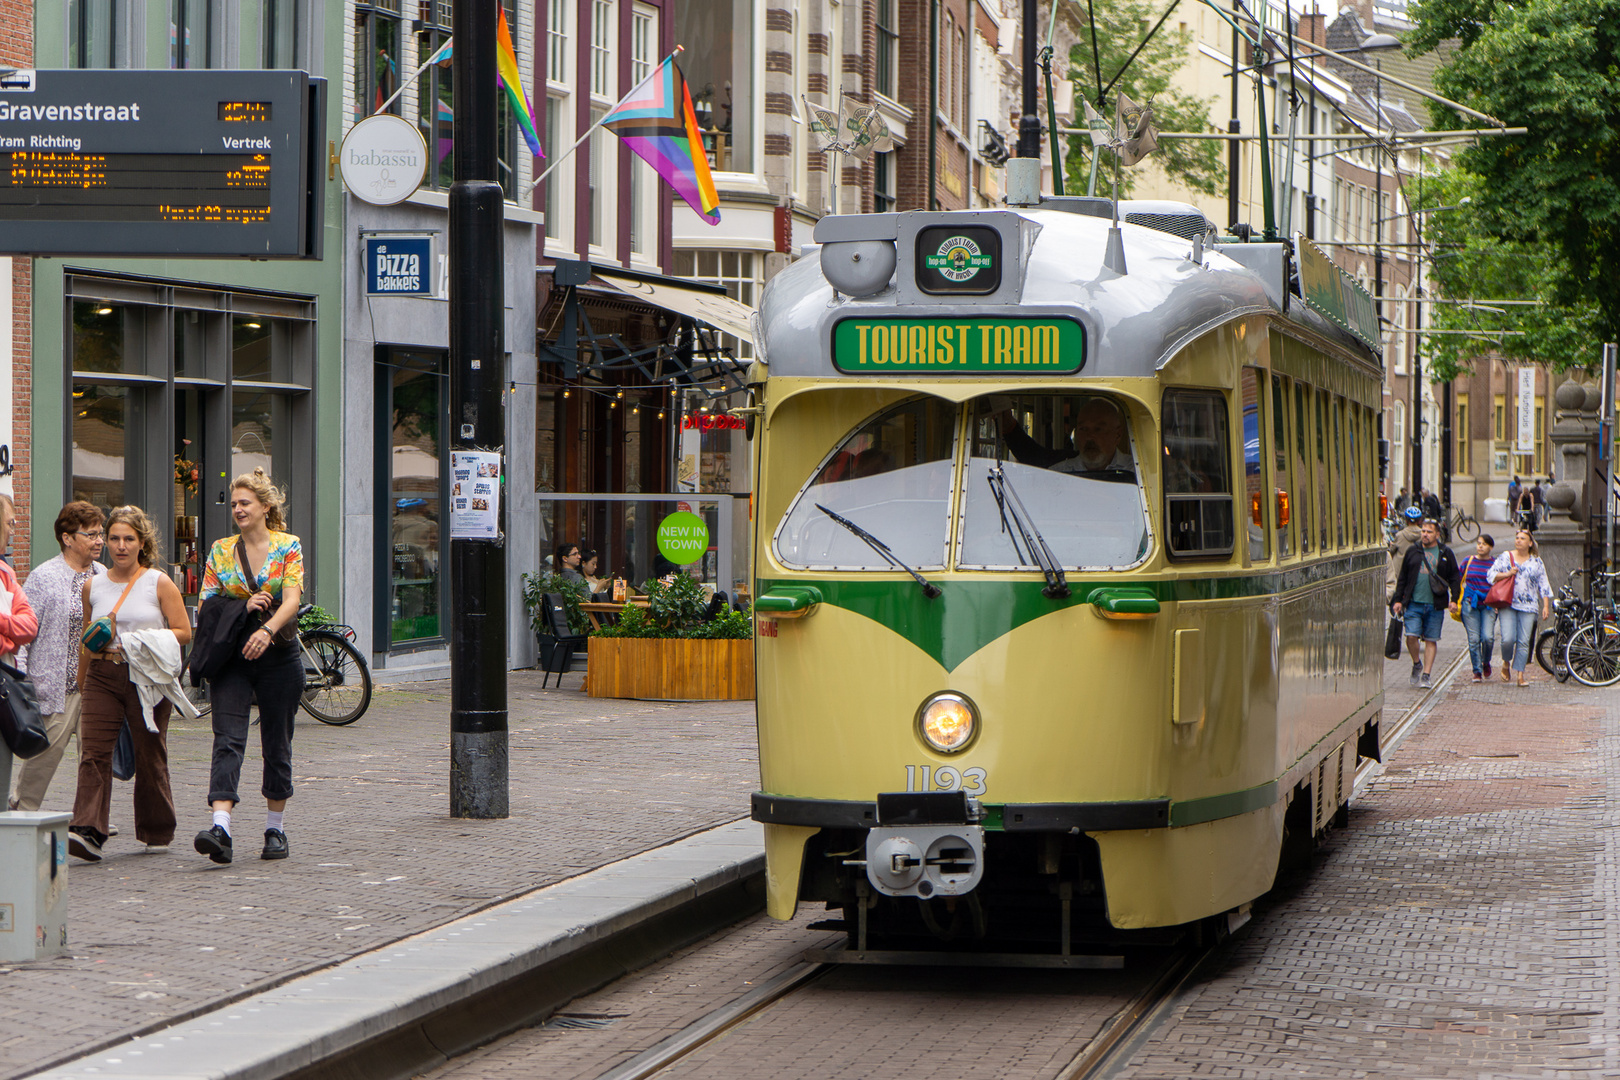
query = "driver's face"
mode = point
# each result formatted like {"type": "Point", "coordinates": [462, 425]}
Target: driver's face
{"type": "Point", "coordinates": [1098, 433]}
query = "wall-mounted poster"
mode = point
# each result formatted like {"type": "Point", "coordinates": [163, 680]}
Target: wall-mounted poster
{"type": "Point", "coordinates": [475, 495]}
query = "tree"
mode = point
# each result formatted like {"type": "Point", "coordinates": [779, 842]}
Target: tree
{"type": "Point", "coordinates": [1121, 25]}
{"type": "Point", "coordinates": [1472, 260]}
{"type": "Point", "coordinates": [1549, 199]}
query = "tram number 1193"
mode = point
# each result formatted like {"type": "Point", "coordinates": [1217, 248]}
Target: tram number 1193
{"type": "Point", "coordinates": [945, 778]}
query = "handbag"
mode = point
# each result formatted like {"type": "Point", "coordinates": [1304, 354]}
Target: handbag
{"type": "Point", "coordinates": [287, 634]}
{"type": "Point", "coordinates": [1501, 594]}
{"type": "Point", "coordinates": [99, 634]}
{"type": "Point", "coordinates": [1392, 639]}
{"type": "Point", "coordinates": [21, 726]}
{"type": "Point", "coordinates": [1456, 609]}
{"type": "Point", "coordinates": [123, 758]}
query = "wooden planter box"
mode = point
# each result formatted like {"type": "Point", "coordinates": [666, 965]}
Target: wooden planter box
{"type": "Point", "coordinates": [671, 669]}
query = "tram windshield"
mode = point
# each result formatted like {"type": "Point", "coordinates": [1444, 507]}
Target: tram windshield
{"type": "Point", "coordinates": [892, 477]}
{"type": "Point", "coordinates": [1070, 458]}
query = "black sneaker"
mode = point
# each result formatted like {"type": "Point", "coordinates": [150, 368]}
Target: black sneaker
{"type": "Point", "coordinates": [214, 843]}
{"type": "Point", "coordinates": [275, 844]}
{"type": "Point", "coordinates": [84, 844]}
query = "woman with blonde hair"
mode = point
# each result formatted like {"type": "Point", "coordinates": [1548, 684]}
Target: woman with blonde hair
{"type": "Point", "coordinates": [1531, 591]}
{"type": "Point", "coordinates": [263, 565]}
{"type": "Point", "coordinates": [138, 598]}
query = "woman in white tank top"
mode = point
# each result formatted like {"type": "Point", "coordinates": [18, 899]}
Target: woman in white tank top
{"type": "Point", "coordinates": [144, 599]}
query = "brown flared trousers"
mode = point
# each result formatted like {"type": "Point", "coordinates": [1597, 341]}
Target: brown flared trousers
{"type": "Point", "coordinates": [110, 698]}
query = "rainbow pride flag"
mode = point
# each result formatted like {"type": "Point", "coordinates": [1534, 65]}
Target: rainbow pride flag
{"type": "Point", "coordinates": [656, 121]}
{"type": "Point", "coordinates": [507, 66]}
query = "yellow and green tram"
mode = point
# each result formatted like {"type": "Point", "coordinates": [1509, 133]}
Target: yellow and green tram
{"type": "Point", "coordinates": [1068, 569]}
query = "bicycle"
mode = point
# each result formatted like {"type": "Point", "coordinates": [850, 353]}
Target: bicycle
{"type": "Point", "coordinates": [337, 679]}
{"type": "Point", "coordinates": [1569, 612]}
{"type": "Point", "coordinates": [1593, 652]}
{"type": "Point", "coordinates": [1461, 524]}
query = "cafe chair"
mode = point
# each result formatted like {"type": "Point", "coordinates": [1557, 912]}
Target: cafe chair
{"type": "Point", "coordinates": [562, 639]}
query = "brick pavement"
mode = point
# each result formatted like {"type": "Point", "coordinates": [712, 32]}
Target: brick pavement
{"type": "Point", "coordinates": [375, 857]}
{"type": "Point", "coordinates": [1462, 927]}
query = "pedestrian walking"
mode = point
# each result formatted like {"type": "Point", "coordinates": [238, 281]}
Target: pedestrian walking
{"type": "Point", "coordinates": [1531, 592]}
{"type": "Point", "coordinates": [1402, 501]}
{"type": "Point", "coordinates": [1478, 618]}
{"type": "Point", "coordinates": [56, 590]}
{"type": "Point", "coordinates": [263, 566]}
{"type": "Point", "coordinates": [1513, 493]}
{"type": "Point", "coordinates": [1431, 506]}
{"type": "Point", "coordinates": [1404, 540]}
{"type": "Point", "coordinates": [136, 598]}
{"type": "Point", "coordinates": [18, 624]}
{"type": "Point", "coordinates": [1427, 583]}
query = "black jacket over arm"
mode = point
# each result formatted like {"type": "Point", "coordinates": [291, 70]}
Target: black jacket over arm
{"type": "Point", "coordinates": [1445, 571]}
{"type": "Point", "coordinates": [221, 621]}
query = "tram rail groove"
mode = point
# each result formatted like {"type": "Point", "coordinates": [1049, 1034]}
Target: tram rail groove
{"type": "Point", "coordinates": [1125, 1030]}
{"type": "Point", "coordinates": [1408, 723]}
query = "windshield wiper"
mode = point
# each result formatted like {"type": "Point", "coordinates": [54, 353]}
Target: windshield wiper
{"type": "Point", "coordinates": [1010, 505]}
{"type": "Point", "coordinates": [929, 590]}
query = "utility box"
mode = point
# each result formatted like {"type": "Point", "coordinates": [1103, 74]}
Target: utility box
{"type": "Point", "coordinates": [33, 885]}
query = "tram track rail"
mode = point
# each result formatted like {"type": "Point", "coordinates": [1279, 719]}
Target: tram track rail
{"type": "Point", "coordinates": [1409, 722]}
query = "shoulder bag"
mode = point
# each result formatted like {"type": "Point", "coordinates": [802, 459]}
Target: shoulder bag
{"type": "Point", "coordinates": [1456, 612]}
{"type": "Point", "coordinates": [287, 634]}
{"type": "Point", "coordinates": [1392, 639]}
{"type": "Point", "coordinates": [21, 726]}
{"type": "Point", "coordinates": [1501, 594]}
{"type": "Point", "coordinates": [99, 634]}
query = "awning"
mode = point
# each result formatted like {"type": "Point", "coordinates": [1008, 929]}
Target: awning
{"type": "Point", "coordinates": [718, 310]}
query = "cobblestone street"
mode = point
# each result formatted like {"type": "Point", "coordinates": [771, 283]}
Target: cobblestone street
{"type": "Point", "coordinates": [155, 938]}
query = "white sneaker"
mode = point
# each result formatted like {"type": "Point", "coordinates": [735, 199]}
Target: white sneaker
{"type": "Point", "coordinates": [83, 847]}
{"type": "Point", "coordinates": [157, 849]}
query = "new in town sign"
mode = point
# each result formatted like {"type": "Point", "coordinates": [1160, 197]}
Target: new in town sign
{"type": "Point", "coordinates": [161, 163]}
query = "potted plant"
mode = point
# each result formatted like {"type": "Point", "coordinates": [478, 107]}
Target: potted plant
{"type": "Point", "coordinates": [667, 650]}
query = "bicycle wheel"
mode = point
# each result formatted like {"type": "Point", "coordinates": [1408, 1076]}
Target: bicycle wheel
{"type": "Point", "coordinates": [337, 683]}
{"type": "Point", "coordinates": [1593, 654]}
{"type": "Point", "coordinates": [1467, 529]}
{"type": "Point", "coordinates": [1549, 653]}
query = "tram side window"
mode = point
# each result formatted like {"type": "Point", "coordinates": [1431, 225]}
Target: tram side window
{"type": "Point", "coordinates": [1254, 472]}
{"type": "Point", "coordinates": [1197, 481]}
{"type": "Point", "coordinates": [891, 477]}
{"type": "Point", "coordinates": [1063, 465]}
{"type": "Point", "coordinates": [1352, 461]}
{"type": "Point", "coordinates": [1341, 510]}
{"type": "Point", "coordinates": [1321, 471]}
{"type": "Point", "coordinates": [1279, 450]}
{"type": "Point", "coordinates": [1302, 466]}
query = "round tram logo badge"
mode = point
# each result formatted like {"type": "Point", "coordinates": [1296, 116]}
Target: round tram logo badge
{"type": "Point", "coordinates": [958, 259]}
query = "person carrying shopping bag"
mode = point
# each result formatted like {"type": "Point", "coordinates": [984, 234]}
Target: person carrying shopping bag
{"type": "Point", "coordinates": [1530, 591]}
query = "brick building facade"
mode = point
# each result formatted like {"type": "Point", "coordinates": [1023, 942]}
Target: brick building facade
{"type": "Point", "coordinates": [16, 337]}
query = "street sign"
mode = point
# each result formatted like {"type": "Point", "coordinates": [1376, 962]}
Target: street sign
{"type": "Point", "coordinates": [161, 163]}
{"type": "Point", "coordinates": [399, 265]}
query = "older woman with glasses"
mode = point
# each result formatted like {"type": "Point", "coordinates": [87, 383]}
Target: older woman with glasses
{"type": "Point", "coordinates": [56, 589]}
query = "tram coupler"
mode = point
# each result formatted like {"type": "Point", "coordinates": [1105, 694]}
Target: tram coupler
{"type": "Point", "coordinates": [925, 860]}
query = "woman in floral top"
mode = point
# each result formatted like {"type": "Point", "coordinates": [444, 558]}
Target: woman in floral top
{"type": "Point", "coordinates": [1531, 592]}
{"type": "Point", "coordinates": [273, 586]}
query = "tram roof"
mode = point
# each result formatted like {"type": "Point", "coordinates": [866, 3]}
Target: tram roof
{"type": "Point", "coordinates": [1135, 322]}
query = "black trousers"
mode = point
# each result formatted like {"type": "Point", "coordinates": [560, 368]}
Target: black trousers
{"type": "Point", "coordinates": [277, 680]}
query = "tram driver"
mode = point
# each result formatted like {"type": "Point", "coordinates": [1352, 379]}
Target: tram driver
{"type": "Point", "coordinates": [1095, 445]}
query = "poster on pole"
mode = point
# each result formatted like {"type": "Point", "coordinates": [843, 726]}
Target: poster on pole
{"type": "Point", "coordinates": [1526, 441]}
{"type": "Point", "coordinates": [475, 495]}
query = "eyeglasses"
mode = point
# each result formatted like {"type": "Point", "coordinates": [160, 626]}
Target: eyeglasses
{"type": "Point", "coordinates": [94, 538]}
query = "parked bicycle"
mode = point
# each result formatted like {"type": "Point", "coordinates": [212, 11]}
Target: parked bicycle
{"type": "Point", "coordinates": [337, 679]}
{"type": "Point", "coordinates": [1569, 612]}
{"type": "Point", "coordinates": [1459, 524]}
{"type": "Point", "coordinates": [1593, 652]}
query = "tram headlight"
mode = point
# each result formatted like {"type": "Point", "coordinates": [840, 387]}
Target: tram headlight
{"type": "Point", "coordinates": [947, 722]}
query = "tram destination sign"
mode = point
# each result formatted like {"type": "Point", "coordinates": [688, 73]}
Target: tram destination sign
{"type": "Point", "coordinates": [161, 163]}
{"type": "Point", "coordinates": [961, 346]}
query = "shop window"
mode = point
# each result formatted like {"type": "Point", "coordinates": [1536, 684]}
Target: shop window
{"type": "Point", "coordinates": [194, 27]}
{"type": "Point", "coordinates": [719, 69]}
{"type": "Point", "coordinates": [377, 57]}
{"type": "Point", "coordinates": [283, 25]}
{"type": "Point", "coordinates": [100, 422]}
{"type": "Point", "coordinates": [109, 337]}
{"type": "Point", "coordinates": [413, 414]}
{"type": "Point", "coordinates": [92, 33]}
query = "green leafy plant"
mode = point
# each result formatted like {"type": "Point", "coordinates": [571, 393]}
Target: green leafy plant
{"type": "Point", "coordinates": [675, 610]}
{"type": "Point", "coordinates": [574, 593]}
{"type": "Point", "coordinates": [315, 616]}
{"type": "Point", "coordinates": [676, 604]}
{"type": "Point", "coordinates": [733, 625]}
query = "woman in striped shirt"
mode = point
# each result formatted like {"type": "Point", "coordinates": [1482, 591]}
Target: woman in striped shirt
{"type": "Point", "coordinates": [1477, 619]}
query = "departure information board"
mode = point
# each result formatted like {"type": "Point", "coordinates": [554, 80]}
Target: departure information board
{"type": "Point", "coordinates": [161, 163]}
